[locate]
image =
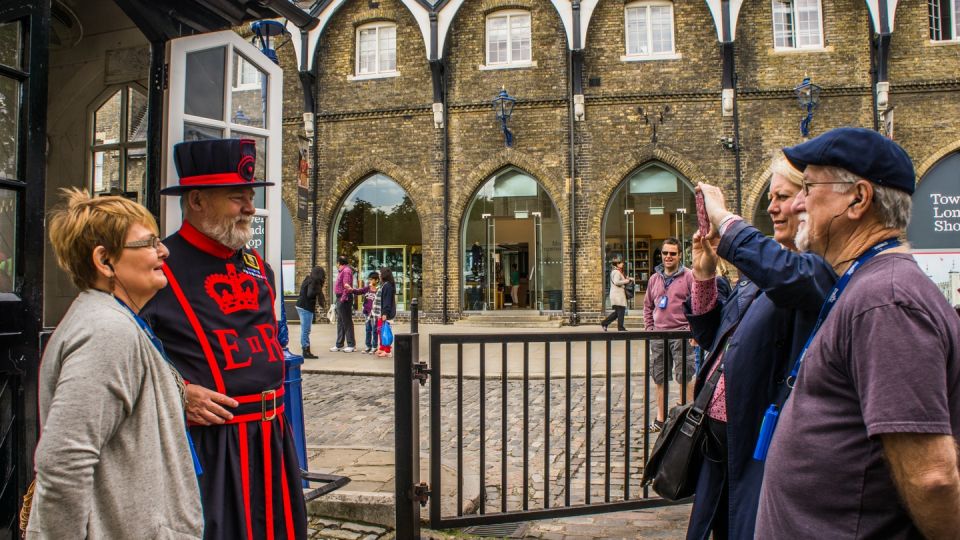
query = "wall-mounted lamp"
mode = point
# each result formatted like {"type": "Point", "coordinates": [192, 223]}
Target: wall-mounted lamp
{"type": "Point", "coordinates": [264, 37]}
{"type": "Point", "coordinates": [503, 108]}
{"type": "Point", "coordinates": [654, 116]}
{"type": "Point", "coordinates": [727, 142]}
{"type": "Point", "coordinates": [808, 94]}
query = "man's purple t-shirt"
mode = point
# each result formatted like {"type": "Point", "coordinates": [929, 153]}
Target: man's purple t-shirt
{"type": "Point", "coordinates": [887, 360]}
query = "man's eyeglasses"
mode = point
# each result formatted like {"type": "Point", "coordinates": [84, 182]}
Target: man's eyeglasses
{"type": "Point", "coordinates": [669, 254]}
{"type": "Point", "coordinates": [152, 242]}
{"type": "Point", "coordinates": [806, 185]}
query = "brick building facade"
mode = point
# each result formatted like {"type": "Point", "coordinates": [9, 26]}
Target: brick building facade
{"type": "Point", "coordinates": [427, 123]}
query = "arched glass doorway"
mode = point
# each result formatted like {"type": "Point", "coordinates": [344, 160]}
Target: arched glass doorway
{"type": "Point", "coordinates": [761, 219]}
{"type": "Point", "coordinates": [512, 237]}
{"type": "Point", "coordinates": [377, 225]}
{"type": "Point", "coordinates": [651, 204]}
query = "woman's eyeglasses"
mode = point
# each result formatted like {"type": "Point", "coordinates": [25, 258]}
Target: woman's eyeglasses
{"type": "Point", "coordinates": [152, 242]}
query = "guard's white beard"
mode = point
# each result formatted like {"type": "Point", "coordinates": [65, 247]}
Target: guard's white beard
{"type": "Point", "coordinates": [231, 232]}
{"type": "Point", "coordinates": [802, 238]}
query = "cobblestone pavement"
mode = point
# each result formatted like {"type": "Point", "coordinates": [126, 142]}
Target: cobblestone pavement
{"type": "Point", "coordinates": [357, 411]}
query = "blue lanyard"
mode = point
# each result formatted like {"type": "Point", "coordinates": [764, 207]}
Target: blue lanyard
{"type": "Point", "coordinates": [772, 415]}
{"type": "Point", "coordinates": [159, 346]}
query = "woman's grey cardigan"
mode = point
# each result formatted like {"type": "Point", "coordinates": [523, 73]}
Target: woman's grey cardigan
{"type": "Point", "coordinates": [113, 459]}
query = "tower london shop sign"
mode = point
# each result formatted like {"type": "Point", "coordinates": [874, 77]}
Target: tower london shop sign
{"type": "Point", "coordinates": [946, 212]}
{"type": "Point", "coordinates": [935, 223]}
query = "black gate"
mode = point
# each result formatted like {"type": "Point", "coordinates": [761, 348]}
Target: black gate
{"type": "Point", "coordinates": [24, 37]}
{"type": "Point", "coordinates": [528, 426]}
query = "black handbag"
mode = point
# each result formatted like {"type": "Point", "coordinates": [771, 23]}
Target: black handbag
{"type": "Point", "coordinates": [674, 464]}
{"type": "Point", "coordinates": [630, 289]}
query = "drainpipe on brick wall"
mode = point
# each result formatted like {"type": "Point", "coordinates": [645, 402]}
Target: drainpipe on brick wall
{"type": "Point", "coordinates": [574, 65]}
{"type": "Point", "coordinates": [736, 145]}
{"type": "Point", "coordinates": [315, 176]}
{"type": "Point", "coordinates": [446, 196]}
{"type": "Point", "coordinates": [575, 74]}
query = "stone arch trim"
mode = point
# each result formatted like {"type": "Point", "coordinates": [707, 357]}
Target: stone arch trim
{"type": "Point", "coordinates": [509, 157]}
{"type": "Point", "coordinates": [924, 167]}
{"type": "Point", "coordinates": [639, 157]}
{"type": "Point", "coordinates": [354, 175]}
{"type": "Point", "coordinates": [757, 187]}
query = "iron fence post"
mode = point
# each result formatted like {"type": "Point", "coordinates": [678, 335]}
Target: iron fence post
{"type": "Point", "coordinates": [406, 396]}
{"type": "Point", "coordinates": [415, 316]}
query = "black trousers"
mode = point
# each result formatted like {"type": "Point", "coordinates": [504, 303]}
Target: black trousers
{"type": "Point", "coordinates": [619, 312]}
{"type": "Point", "coordinates": [717, 451]}
{"type": "Point", "coordinates": [345, 324]}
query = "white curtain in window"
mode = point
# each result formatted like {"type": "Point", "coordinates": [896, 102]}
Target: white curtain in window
{"type": "Point", "coordinates": [808, 23]}
{"type": "Point", "coordinates": [637, 30]}
{"type": "Point", "coordinates": [367, 57]}
{"type": "Point", "coordinates": [377, 49]}
{"type": "Point", "coordinates": [782, 23]}
{"type": "Point", "coordinates": [956, 19]}
{"type": "Point", "coordinates": [661, 29]}
{"type": "Point", "coordinates": [497, 40]}
{"type": "Point", "coordinates": [388, 48]}
{"type": "Point", "coordinates": [508, 39]}
{"type": "Point", "coordinates": [649, 29]}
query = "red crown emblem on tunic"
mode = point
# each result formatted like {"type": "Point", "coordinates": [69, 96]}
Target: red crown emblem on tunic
{"type": "Point", "coordinates": [233, 292]}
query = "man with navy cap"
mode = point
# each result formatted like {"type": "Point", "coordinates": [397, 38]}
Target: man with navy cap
{"type": "Point", "coordinates": [866, 444]}
{"type": "Point", "coordinates": [218, 327]}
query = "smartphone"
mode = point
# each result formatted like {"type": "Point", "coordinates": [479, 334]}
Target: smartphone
{"type": "Point", "coordinates": [703, 222]}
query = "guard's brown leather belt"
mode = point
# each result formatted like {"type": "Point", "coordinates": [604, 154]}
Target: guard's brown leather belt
{"type": "Point", "coordinates": [269, 402]}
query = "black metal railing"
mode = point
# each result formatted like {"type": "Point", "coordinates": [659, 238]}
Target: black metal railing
{"type": "Point", "coordinates": [539, 464]}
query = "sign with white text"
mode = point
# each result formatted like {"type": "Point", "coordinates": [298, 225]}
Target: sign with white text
{"type": "Point", "coordinates": [935, 223]}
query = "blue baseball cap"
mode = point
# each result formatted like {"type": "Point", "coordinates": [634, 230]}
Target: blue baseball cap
{"type": "Point", "coordinates": [863, 152]}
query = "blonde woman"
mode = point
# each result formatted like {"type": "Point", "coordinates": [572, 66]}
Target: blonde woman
{"type": "Point", "coordinates": [113, 460]}
{"type": "Point", "coordinates": [618, 297]}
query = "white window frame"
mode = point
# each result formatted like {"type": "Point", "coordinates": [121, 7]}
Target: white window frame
{"type": "Point", "coordinates": [238, 81]}
{"type": "Point", "coordinates": [176, 117]}
{"type": "Point", "coordinates": [793, 27]}
{"type": "Point", "coordinates": [665, 55]}
{"type": "Point", "coordinates": [954, 36]}
{"type": "Point", "coordinates": [377, 73]}
{"type": "Point", "coordinates": [123, 145]}
{"type": "Point", "coordinates": [510, 62]}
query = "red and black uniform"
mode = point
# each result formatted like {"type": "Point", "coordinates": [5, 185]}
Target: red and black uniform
{"type": "Point", "coordinates": [217, 324]}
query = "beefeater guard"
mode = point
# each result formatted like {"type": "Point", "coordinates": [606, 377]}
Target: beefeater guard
{"type": "Point", "coordinates": [217, 323]}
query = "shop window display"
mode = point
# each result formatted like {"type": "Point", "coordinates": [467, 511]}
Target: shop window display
{"type": "Point", "coordinates": [652, 203]}
{"type": "Point", "coordinates": [377, 226]}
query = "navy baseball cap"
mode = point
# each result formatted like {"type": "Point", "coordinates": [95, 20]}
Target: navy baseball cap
{"type": "Point", "coordinates": [214, 163]}
{"type": "Point", "coordinates": [863, 152]}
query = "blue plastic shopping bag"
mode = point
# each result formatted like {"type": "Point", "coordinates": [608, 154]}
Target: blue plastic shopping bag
{"type": "Point", "coordinates": [386, 334]}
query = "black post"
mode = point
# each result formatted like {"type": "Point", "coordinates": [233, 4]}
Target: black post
{"type": "Point", "coordinates": [406, 424]}
{"type": "Point", "coordinates": [415, 316]}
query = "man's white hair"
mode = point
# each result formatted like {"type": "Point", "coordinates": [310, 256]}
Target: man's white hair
{"type": "Point", "coordinates": [893, 205]}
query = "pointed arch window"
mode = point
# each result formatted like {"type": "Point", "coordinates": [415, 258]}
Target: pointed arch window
{"type": "Point", "coordinates": [118, 141]}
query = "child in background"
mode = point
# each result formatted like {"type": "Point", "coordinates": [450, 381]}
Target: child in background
{"type": "Point", "coordinates": [369, 294]}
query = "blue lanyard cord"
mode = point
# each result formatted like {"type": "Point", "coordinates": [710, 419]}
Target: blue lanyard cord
{"type": "Point", "coordinates": [159, 346]}
{"type": "Point", "coordinates": [834, 295]}
{"type": "Point", "coordinates": [772, 415]}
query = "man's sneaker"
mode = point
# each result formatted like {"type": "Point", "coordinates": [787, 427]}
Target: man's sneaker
{"type": "Point", "coordinates": [348, 349]}
{"type": "Point", "coordinates": [334, 348]}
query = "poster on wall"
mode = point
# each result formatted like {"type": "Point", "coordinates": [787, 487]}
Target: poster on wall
{"type": "Point", "coordinates": [303, 180]}
{"type": "Point", "coordinates": [934, 230]}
